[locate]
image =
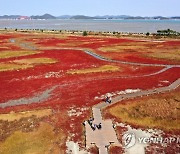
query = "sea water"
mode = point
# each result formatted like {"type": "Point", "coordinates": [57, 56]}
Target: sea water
{"type": "Point", "coordinates": [133, 26]}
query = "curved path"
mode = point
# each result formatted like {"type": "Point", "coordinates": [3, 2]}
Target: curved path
{"type": "Point", "coordinates": [104, 137]}
{"type": "Point", "coordinates": [125, 62]}
{"type": "Point", "coordinates": [107, 135]}
{"type": "Point", "coordinates": [37, 98]}
{"type": "Point", "coordinates": [97, 56]}
{"type": "Point", "coordinates": [167, 67]}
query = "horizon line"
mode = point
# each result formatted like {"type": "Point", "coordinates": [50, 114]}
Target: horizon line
{"type": "Point", "coordinates": [90, 15]}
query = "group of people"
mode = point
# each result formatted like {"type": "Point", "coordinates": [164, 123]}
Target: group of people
{"type": "Point", "coordinates": [108, 100]}
{"type": "Point", "coordinates": [94, 126]}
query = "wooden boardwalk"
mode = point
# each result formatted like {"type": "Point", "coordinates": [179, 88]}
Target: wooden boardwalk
{"type": "Point", "coordinates": [107, 135]}
{"type": "Point", "coordinates": [104, 137]}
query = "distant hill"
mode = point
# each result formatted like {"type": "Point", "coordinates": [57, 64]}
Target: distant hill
{"type": "Point", "coordinates": [100, 17]}
{"type": "Point", "coordinates": [45, 16]}
{"type": "Point", "coordinates": [82, 17]}
{"type": "Point", "coordinates": [10, 17]}
{"type": "Point", "coordinates": [113, 17]}
{"type": "Point", "coordinates": [138, 17]}
{"type": "Point", "coordinates": [160, 17]}
{"type": "Point", "coordinates": [175, 17]}
{"type": "Point", "coordinates": [49, 16]}
{"type": "Point", "coordinates": [64, 17]}
{"type": "Point", "coordinates": [121, 17]}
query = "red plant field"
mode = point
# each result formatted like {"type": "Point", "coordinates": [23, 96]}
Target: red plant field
{"type": "Point", "coordinates": [74, 90]}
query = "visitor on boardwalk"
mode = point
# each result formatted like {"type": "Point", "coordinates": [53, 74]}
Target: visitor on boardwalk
{"type": "Point", "coordinates": [99, 126]}
{"type": "Point", "coordinates": [93, 126]}
{"type": "Point", "coordinates": [90, 122]}
{"type": "Point", "coordinates": [108, 98]}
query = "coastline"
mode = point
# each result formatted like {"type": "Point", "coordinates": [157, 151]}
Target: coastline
{"type": "Point", "coordinates": [129, 35]}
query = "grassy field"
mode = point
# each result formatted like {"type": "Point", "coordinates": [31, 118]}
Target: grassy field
{"type": "Point", "coordinates": [11, 54]}
{"type": "Point", "coordinates": [147, 49]}
{"type": "Point", "coordinates": [105, 68]}
{"type": "Point", "coordinates": [10, 67]}
{"type": "Point", "coordinates": [25, 63]}
{"type": "Point", "coordinates": [41, 140]}
{"type": "Point", "coordinates": [123, 46]}
{"type": "Point", "coordinates": [174, 55]}
{"type": "Point", "coordinates": [154, 112]}
{"type": "Point", "coordinates": [29, 132]}
{"type": "Point", "coordinates": [18, 115]}
{"type": "Point", "coordinates": [34, 61]}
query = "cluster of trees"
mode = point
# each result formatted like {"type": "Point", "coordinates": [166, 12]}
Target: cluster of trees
{"type": "Point", "coordinates": [168, 32]}
{"type": "Point", "coordinates": [85, 33]}
{"type": "Point", "coordinates": [160, 33]}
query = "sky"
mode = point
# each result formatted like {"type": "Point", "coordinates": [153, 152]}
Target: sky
{"type": "Point", "coordinates": [91, 7]}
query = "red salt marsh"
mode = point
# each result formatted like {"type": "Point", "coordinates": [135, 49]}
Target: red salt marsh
{"type": "Point", "coordinates": [78, 77]}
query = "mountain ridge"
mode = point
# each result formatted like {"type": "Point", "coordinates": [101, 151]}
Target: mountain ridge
{"type": "Point", "coordinates": [49, 16]}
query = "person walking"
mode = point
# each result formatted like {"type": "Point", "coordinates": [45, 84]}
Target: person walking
{"type": "Point", "coordinates": [108, 98]}
{"type": "Point", "coordinates": [99, 126]}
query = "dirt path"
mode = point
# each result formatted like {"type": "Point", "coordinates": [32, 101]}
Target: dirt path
{"type": "Point", "coordinates": [95, 55]}
{"type": "Point", "coordinates": [22, 44]}
{"type": "Point", "coordinates": [29, 46]}
{"type": "Point", "coordinates": [125, 62]}
{"type": "Point", "coordinates": [106, 136]}
{"type": "Point", "coordinates": [38, 98]}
